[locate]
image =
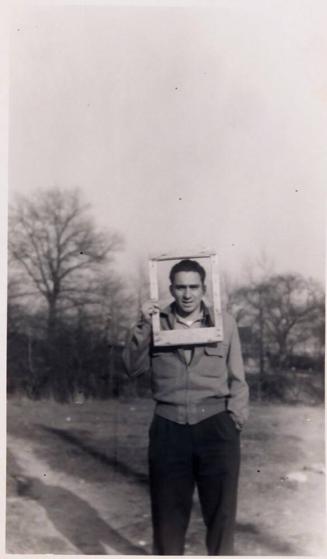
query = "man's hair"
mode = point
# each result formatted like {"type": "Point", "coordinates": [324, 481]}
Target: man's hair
{"type": "Point", "coordinates": [187, 266]}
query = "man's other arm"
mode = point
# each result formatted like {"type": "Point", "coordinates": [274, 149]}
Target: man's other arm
{"type": "Point", "coordinates": [136, 354]}
{"type": "Point", "coordinates": [238, 403]}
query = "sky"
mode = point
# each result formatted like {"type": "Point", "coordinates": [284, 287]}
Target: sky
{"type": "Point", "coordinates": [186, 126]}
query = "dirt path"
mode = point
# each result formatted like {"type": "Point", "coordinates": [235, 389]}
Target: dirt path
{"type": "Point", "coordinates": [77, 481]}
{"type": "Point", "coordinates": [76, 517]}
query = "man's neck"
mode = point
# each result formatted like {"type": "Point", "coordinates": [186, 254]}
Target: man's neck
{"type": "Point", "coordinates": [197, 313]}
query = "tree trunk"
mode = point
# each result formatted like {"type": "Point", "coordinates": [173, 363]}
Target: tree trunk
{"type": "Point", "coordinates": [261, 354]}
{"type": "Point", "coordinates": [52, 320]}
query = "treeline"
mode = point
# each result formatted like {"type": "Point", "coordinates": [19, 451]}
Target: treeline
{"type": "Point", "coordinates": [69, 312]}
{"type": "Point", "coordinates": [281, 319]}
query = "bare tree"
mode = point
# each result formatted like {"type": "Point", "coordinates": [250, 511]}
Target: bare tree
{"type": "Point", "coordinates": [228, 287]}
{"type": "Point", "coordinates": [259, 269]}
{"type": "Point", "coordinates": [56, 248]}
{"type": "Point", "coordinates": [294, 306]}
{"type": "Point", "coordinates": [283, 311]}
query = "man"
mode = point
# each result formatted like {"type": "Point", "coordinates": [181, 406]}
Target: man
{"type": "Point", "coordinates": [201, 405]}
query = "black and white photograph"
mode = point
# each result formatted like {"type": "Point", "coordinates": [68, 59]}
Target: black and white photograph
{"type": "Point", "coordinates": [164, 297]}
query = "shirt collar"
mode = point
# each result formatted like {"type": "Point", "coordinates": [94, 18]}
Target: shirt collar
{"type": "Point", "coordinates": [189, 323]}
{"type": "Point", "coordinates": [170, 310]}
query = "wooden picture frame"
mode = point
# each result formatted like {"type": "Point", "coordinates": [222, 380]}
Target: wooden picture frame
{"type": "Point", "coordinates": [186, 336]}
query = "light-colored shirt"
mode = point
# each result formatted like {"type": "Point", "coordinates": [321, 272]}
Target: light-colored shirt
{"type": "Point", "coordinates": [180, 323]}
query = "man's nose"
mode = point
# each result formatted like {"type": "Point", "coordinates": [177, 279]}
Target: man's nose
{"type": "Point", "coordinates": [187, 293]}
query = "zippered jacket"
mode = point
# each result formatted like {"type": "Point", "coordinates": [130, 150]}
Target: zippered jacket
{"type": "Point", "coordinates": [189, 391]}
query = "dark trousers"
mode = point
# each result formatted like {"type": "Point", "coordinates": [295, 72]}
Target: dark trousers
{"type": "Point", "coordinates": [181, 456]}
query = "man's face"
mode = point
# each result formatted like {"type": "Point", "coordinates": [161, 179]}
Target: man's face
{"type": "Point", "coordinates": [187, 290]}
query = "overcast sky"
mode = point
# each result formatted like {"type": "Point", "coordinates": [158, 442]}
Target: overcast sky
{"type": "Point", "coordinates": [184, 126]}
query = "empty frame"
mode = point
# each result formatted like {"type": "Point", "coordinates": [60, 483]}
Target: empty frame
{"type": "Point", "coordinates": [159, 268]}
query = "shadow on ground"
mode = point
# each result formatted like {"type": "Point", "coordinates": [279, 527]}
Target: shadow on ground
{"type": "Point", "coordinates": [117, 465]}
{"type": "Point", "coordinates": [259, 536]}
{"type": "Point", "coordinates": [265, 539]}
{"type": "Point", "coordinates": [69, 513]}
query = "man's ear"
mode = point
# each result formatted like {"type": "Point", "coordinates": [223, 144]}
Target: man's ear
{"type": "Point", "coordinates": [171, 289]}
{"type": "Point", "coordinates": [204, 287]}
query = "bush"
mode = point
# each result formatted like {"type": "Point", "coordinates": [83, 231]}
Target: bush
{"type": "Point", "coordinates": [290, 387]}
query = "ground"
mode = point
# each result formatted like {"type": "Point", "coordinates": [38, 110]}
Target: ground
{"type": "Point", "coordinates": [77, 480]}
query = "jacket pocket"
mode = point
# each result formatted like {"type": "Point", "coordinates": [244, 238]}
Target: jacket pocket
{"type": "Point", "coordinates": [161, 352]}
{"type": "Point", "coordinates": [218, 350]}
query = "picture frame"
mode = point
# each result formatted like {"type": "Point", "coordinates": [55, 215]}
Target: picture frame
{"type": "Point", "coordinates": [187, 336]}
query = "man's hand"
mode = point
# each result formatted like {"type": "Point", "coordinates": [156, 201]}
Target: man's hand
{"type": "Point", "coordinates": [149, 308]}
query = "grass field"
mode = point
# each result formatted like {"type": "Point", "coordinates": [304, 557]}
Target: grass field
{"type": "Point", "coordinates": [80, 472]}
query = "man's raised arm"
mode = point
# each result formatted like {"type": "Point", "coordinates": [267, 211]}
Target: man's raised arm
{"type": "Point", "coordinates": [136, 354]}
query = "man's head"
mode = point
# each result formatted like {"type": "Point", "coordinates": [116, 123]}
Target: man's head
{"type": "Point", "coordinates": [187, 279]}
